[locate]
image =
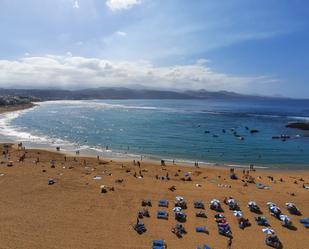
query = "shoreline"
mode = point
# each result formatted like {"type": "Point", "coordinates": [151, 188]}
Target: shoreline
{"type": "Point", "coordinates": [123, 156]}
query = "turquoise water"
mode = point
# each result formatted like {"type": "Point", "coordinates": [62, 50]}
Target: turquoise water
{"type": "Point", "coordinates": [170, 129]}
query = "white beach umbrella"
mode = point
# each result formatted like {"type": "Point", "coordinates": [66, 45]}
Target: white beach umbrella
{"type": "Point", "coordinates": [179, 198]}
{"type": "Point", "coordinates": [214, 201]}
{"type": "Point", "coordinates": [284, 217]}
{"type": "Point", "coordinates": [231, 201]}
{"type": "Point", "coordinates": [177, 209]}
{"type": "Point", "coordinates": [251, 203]}
{"type": "Point", "coordinates": [270, 204]}
{"type": "Point", "coordinates": [237, 213]}
{"type": "Point", "coordinates": [268, 231]}
{"type": "Point", "coordinates": [290, 204]}
{"type": "Point", "coordinates": [274, 209]}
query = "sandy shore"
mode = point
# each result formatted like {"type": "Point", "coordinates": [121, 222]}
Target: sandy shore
{"type": "Point", "coordinates": [4, 109]}
{"type": "Point", "coordinates": [73, 213]}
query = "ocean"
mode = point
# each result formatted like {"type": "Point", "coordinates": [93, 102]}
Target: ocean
{"type": "Point", "coordinates": [206, 131]}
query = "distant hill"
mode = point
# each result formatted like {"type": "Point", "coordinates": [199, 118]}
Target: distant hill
{"type": "Point", "coordinates": [124, 93]}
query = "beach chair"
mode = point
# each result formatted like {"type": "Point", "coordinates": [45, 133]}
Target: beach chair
{"type": "Point", "coordinates": [140, 228]}
{"type": "Point", "coordinates": [262, 221]}
{"type": "Point", "coordinates": [203, 247]}
{"type": "Point", "coordinates": [292, 209]}
{"type": "Point", "coordinates": [273, 241]}
{"type": "Point", "coordinates": [180, 216]}
{"type": "Point", "coordinates": [179, 230]}
{"type": "Point", "coordinates": [146, 203]}
{"type": "Point", "coordinates": [51, 181]}
{"type": "Point", "coordinates": [181, 204]}
{"type": "Point", "coordinates": [143, 213]}
{"type": "Point", "coordinates": [304, 220]}
{"type": "Point", "coordinates": [163, 203]}
{"type": "Point", "coordinates": [158, 244]}
{"type": "Point", "coordinates": [201, 214]}
{"type": "Point", "coordinates": [306, 225]}
{"type": "Point", "coordinates": [253, 207]}
{"type": "Point", "coordinates": [162, 215]}
{"type": "Point", "coordinates": [201, 230]}
{"type": "Point", "coordinates": [243, 223]}
{"type": "Point", "coordinates": [224, 229]}
{"type": "Point", "coordinates": [199, 205]}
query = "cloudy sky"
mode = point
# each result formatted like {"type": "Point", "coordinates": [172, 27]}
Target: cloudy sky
{"type": "Point", "coordinates": [247, 46]}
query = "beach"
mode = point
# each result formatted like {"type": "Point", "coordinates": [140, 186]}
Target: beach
{"type": "Point", "coordinates": [73, 213]}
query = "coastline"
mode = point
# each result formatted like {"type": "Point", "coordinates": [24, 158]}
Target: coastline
{"type": "Point", "coordinates": [13, 108]}
{"type": "Point", "coordinates": [123, 156]}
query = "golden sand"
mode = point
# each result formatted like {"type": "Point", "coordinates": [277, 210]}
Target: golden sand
{"type": "Point", "coordinates": [73, 213]}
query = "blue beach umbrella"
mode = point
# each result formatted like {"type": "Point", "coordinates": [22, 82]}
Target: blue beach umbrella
{"type": "Point", "coordinates": [268, 231]}
{"type": "Point", "coordinates": [177, 209]}
{"type": "Point", "coordinates": [237, 213]}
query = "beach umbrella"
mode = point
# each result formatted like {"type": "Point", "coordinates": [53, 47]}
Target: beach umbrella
{"type": "Point", "coordinates": [231, 201]}
{"type": "Point", "coordinates": [179, 198]}
{"type": "Point", "coordinates": [270, 204]}
{"type": "Point", "coordinates": [284, 217]}
{"type": "Point", "coordinates": [252, 203]}
{"type": "Point", "coordinates": [268, 231]}
{"type": "Point", "coordinates": [289, 204]}
{"type": "Point", "coordinates": [274, 209]}
{"type": "Point", "coordinates": [237, 213]}
{"type": "Point", "coordinates": [176, 209]}
{"type": "Point", "coordinates": [214, 201]}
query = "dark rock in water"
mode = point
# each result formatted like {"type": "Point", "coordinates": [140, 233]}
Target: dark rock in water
{"type": "Point", "coordinates": [254, 131]}
{"type": "Point", "coordinates": [299, 125]}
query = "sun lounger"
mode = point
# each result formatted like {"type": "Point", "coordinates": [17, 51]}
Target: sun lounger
{"type": "Point", "coordinates": [158, 244]}
{"type": "Point", "coordinates": [304, 220]}
{"type": "Point", "coordinates": [203, 247]}
{"type": "Point", "coordinates": [262, 221]}
{"type": "Point", "coordinates": [51, 181]}
{"type": "Point", "coordinates": [140, 228]}
{"type": "Point", "coordinates": [146, 203]}
{"type": "Point", "coordinates": [273, 241]}
{"type": "Point", "coordinates": [162, 215]}
{"type": "Point", "coordinates": [180, 216]}
{"type": "Point", "coordinates": [201, 214]}
{"type": "Point", "coordinates": [179, 230]}
{"type": "Point", "coordinates": [199, 205]}
{"type": "Point", "coordinates": [201, 229]}
{"type": "Point", "coordinates": [163, 203]}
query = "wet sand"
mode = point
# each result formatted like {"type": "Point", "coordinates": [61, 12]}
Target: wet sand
{"type": "Point", "coordinates": [73, 213]}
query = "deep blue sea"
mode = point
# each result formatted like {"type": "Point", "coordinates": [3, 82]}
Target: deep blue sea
{"type": "Point", "coordinates": [203, 130]}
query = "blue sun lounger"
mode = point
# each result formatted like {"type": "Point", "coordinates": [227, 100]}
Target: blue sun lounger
{"type": "Point", "coordinates": [304, 220]}
{"type": "Point", "coordinates": [201, 229]}
{"type": "Point", "coordinates": [163, 203]}
{"type": "Point", "coordinates": [306, 225]}
{"type": "Point", "coordinates": [162, 215]}
{"type": "Point", "coordinates": [158, 244]}
{"type": "Point", "coordinates": [204, 247]}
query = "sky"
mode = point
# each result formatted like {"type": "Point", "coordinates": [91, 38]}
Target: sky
{"type": "Point", "coordinates": [247, 46]}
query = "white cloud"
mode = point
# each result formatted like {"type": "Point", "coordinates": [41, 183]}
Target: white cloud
{"type": "Point", "coordinates": [115, 5]}
{"type": "Point", "coordinates": [74, 72]}
{"type": "Point", "coordinates": [121, 33]}
{"type": "Point", "coordinates": [76, 5]}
